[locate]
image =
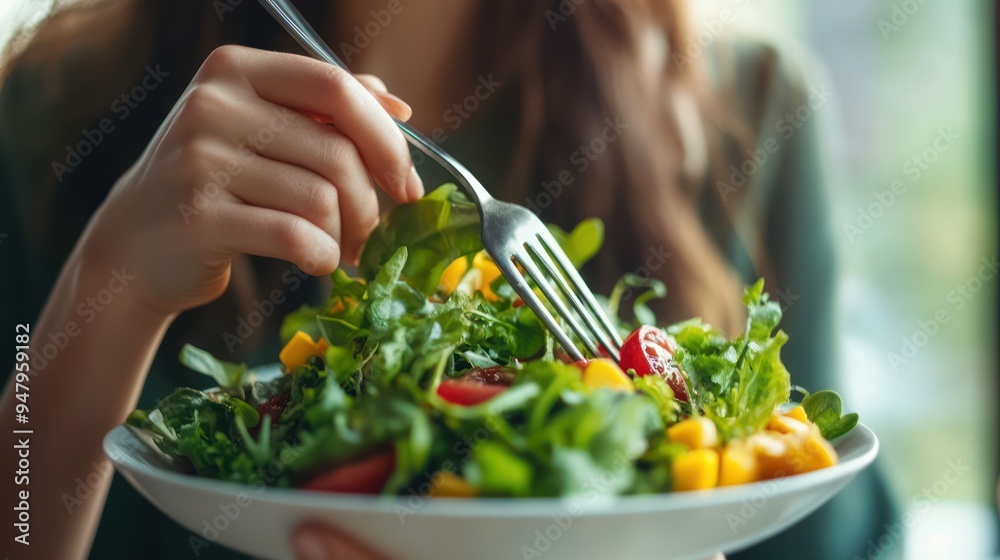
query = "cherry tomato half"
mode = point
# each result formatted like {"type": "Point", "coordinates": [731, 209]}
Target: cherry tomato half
{"type": "Point", "coordinates": [477, 386]}
{"type": "Point", "coordinates": [649, 351]}
{"type": "Point", "coordinates": [367, 476]}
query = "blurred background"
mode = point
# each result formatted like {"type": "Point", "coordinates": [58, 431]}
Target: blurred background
{"type": "Point", "coordinates": [913, 106]}
{"type": "Point", "coordinates": [911, 126]}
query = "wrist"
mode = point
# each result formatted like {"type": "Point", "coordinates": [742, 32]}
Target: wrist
{"type": "Point", "coordinates": [105, 278]}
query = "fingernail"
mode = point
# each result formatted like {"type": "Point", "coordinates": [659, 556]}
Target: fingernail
{"type": "Point", "coordinates": [399, 108]}
{"type": "Point", "coordinates": [414, 185]}
{"type": "Point", "coordinates": [308, 547]}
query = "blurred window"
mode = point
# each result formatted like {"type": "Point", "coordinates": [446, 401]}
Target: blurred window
{"type": "Point", "coordinates": [913, 205]}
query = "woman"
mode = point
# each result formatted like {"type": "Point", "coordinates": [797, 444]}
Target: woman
{"type": "Point", "coordinates": [138, 149]}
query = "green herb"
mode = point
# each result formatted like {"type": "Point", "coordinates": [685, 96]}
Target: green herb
{"type": "Point", "coordinates": [737, 384]}
{"type": "Point", "coordinates": [436, 229]}
{"type": "Point", "coordinates": [649, 289]}
{"type": "Point", "coordinates": [581, 244]}
{"type": "Point", "coordinates": [229, 376]}
{"type": "Point", "coordinates": [823, 409]}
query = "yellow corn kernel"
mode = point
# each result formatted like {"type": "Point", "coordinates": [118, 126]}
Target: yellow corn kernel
{"type": "Point", "coordinates": [737, 465]}
{"type": "Point", "coordinates": [811, 453]}
{"type": "Point", "coordinates": [696, 432]}
{"type": "Point", "coordinates": [299, 349]}
{"type": "Point", "coordinates": [453, 274]}
{"type": "Point", "coordinates": [787, 425]}
{"type": "Point", "coordinates": [489, 271]}
{"type": "Point", "coordinates": [696, 470]}
{"type": "Point", "coordinates": [448, 485]}
{"type": "Point", "coordinates": [792, 453]}
{"type": "Point", "coordinates": [339, 305]}
{"type": "Point", "coordinates": [603, 372]}
{"type": "Point", "coordinates": [771, 451]}
{"type": "Point", "coordinates": [799, 414]}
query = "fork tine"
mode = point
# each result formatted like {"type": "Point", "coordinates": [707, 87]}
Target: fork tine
{"type": "Point", "coordinates": [535, 273]}
{"type": "Point", "coordinates": [580, 287]}
{"type": "Point", "coordinates": [520, 286]}
{"type": "Point", "coordinates": [595, 330]}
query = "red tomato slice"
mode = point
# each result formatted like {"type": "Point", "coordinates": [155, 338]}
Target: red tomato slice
{"type": "Point", "coordinates": [477, 386]}
{"type": "Point", "coordinates": [467, 393]}
{"type": "Point", "coordinates": [367, 476]}
{"type": "Point", "coordinates": [649, 351]}
{"type": "Point", "coordinates": [496, 375]}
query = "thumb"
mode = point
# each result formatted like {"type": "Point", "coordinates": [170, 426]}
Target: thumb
{"type": "Point", "coordinates": [317, 541]}
{"type": "Point", "coordinates": [392, 104]}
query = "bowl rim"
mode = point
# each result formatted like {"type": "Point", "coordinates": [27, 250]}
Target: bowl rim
{"type": "Point", "coordinates": [860, 448]}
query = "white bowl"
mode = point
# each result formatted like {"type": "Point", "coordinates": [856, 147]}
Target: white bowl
{"type": "Point", "coordinates": [258, 520]}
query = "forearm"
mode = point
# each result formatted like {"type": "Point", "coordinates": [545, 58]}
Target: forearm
{"type": "Point", "coordinates": [85, 378]}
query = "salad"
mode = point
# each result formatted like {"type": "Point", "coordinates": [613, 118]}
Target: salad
{"type": "Point", "coordinates": [427, 374]}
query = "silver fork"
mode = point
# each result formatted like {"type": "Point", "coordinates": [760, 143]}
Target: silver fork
{"type": "Point", "coordinates": [511, 234]}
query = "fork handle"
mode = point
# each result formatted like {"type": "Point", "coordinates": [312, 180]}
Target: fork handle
{"type": "Point", "coordinates": [296, 25]}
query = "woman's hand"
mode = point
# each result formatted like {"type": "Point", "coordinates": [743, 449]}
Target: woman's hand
{"type": "Point", "coordinates": [317, 541]}
{"type": "Point", "coordinates": [238, 168]}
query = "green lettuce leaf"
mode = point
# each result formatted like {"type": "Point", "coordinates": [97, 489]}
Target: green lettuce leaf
{"type": "Point", "coordinates": [437, 229]}
{"type": "Point", "coordinates": [737, 384]}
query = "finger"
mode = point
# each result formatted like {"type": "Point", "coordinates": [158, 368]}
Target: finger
{"type": "Point", "coordinates": [302, 142]}
{"type": "Point", "coordinates": [289, 188]}
{"type": "Point", "coordinates": [241, 228]}
{"type": "Point", "coordinates": [372, 82]}
{"type": "Point", "coordinates": [303, 83]}
{"type": "Point", "coordinates": [394, 105]}
{"type": "Point", "coordinates": [283, 135]}
{"type": "Point", "coordinates": [315, 541]}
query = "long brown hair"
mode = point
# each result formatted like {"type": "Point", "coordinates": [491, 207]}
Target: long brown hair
{"type": "Point", "coordinates": [607, 63]}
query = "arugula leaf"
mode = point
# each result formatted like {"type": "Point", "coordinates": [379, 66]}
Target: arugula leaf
{"type": "Point", "coordinates": [229, 376]}
{"type": "Point", "coordinates": [581, 244]}
{"type": "Point", "coordinates": [650, 289]}
{"type": "Point", "coordinates": [302, 319]}
{"type": "Point", "coordinates": [657, 389]}
{"type": "Point", "coordinates": [337, 331]}
{"type": "Point", "coordinates": [190, 424]}
{"type": "Point", "coordinates": [389, 299]}
{"type": "Point", "coordinates": [823, 409]}
{"type": "Point", "coordinates": [241, 410]}
{"type": "Point", "coordinates": [443, 226]}
{"type": "Point", "coordinates": [436, 229]}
